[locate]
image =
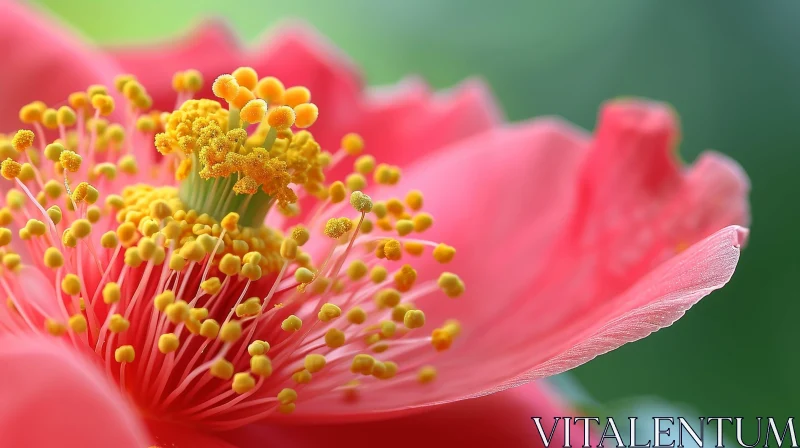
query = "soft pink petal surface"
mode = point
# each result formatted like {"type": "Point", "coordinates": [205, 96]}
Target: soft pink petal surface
{"type": "Point", "coordinates": [502, 419]}
{"type": "Point", "coordinates": [569, 247]}
{"type": "Point", "coordinates": [52, 397]}
{"type": "Point", "coordinates": [43, 61]}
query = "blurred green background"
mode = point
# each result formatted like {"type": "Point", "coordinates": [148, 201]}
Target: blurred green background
{"type": "Point", "coordinates": [730, 68]}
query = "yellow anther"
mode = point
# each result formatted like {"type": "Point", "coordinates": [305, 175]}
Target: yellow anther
{"type": "Point", "coordinates": [392, 250]}
{"type": "Point", "coordinates": [221, 368]}
{"type": "Point", "coordinates": [176, 310]}
{"type": "Point", "coordinates": [399, 312]}
{"type": "Point", "coordinates": [258, 347]}
{"type": "Point", "coordinates": [5, 238]}
{"type": "Point", "coordinates": [260, 365]}
{"type": "Point", "coordinates": [281, 118]}
{"type": "Point", "coordinates": [426, 374]}
{"type": "Point", "coordinates": [225, 87]}
{"type": "Point", "coordinates": [230, 331]}
{"type": "Point", "coordinates": [387, 298]}
{"type": "Point", "coordinates": [115, 201]}
{"type": "Point", "coordinates": [24, 234]}
{"type": "Point", "coordinates": [209, 329]}
{"type": "Point", "coordinates": [26, 173]}
{"type": "Point", "coordinates": [69, 160]}
{"type": "Point", "coordinates": [250, 307]}
{"type": "Point", "coordinates": [145, 124]}
{"type": "Point", "coordinates": [251, 271]}
{"type": "Point", "coordinates": [287, 396]}
{"type": "Point", "coordinates": [192, 80]}
{"type": "Point", "coordinates": [52, 257]}
{"type": "Point", "coordinates": [379, 208]}
{"type": "Point", "coordinates": [125, 353]}
{"type": "Point", "coordinates": [22, 140]}
{"type": "Point", "coordinates": [414, 248]}
{"type": "Point", "coordinates": [355, 182]}
{"type": "Point", "coordinates": [336, 227]}
{"type": "Point", "coordinates": [159, 209]}
{"type": "Point", "coordinates": [121, 80]}
{"type": "Point", "coordinates": [111, 293]}
{"type": "Point", "coordinates": [314, 362]}
{"type": "Point", "coordinates": [211, 285]}
{"type": "Point", "coordinates": [302, 377]}
{"type": "Point", "coordinates": [54, 213]}
{"type": "Point", "coordinates": [10, 169]}
{"type": "Point", "coordinates": [291, 323]}
{"type": "Point", "coordinates": [357, 270]}
{"type": "Point", "coordinates": [66, 116]}
{"type": "Point", "coordinates": [127, 164]}
{"type": "Point", "coordinates": [50, 118]}
{"type": "Point", "coordinates": [271, 89]}
{"type": "Point", "coordinates": [168, 343]}
{"type": "Point", "coordinates": [336, 192]}
{"type": "Point", "coordinates": [193, 251]}
{"type": "Point", "coordinates": [422, 222]}
{"type": "Point", "coordinates": [378, 274]}
{"type": "Point", "coordinates": [54, 327]}
{"type": "Point", "coordinates": [404, 227]}
{"type": "Point", "coordinates": [132, 257]}
{"type": "Point", "coordinates": [77, 323]}
{"type": "Point", "coordinates": [246, 76]}
{"type": "Point", "coordinates": [69, 239]}
{"type": "Point", "coordinates": [230, 265]}
{"type": "Point", "coordinates": [405, 277]}
{"type": "Point", "coordinates": [353, 144]}
{"type": "Point", "coordinates": [364, 164]}
{"type": "Point", "coordinates": [103, 103]}
{"type": "Point", "coordinates": [230, 222]}
{"type": "Point", "coordinates": [303, 275]}
{"type": "Point", "coordinates": [81, 228]}
{"type": "Point", "coordinates": [5, 216]}
{"type": "Point", "coordinates": [334, 338]}
{"type": "Point", "coordinates": [118, 324]}
{"type": "Point", "coordinates": [306, 115]}
{"type": "Point", "coordinates": [254, 111]}
{"type": "Point", "coordinates": [32, 112]}
{"type": "Point", "coordinates": [328, 312]}
{"type": "Point", "coordinates": [388, 328]}
{"type": "Point", "coordinates": [444, 253]}
{"type": "Point", "coordinates": [362, 364]}
{"type": "Point", "coordinates": [451, 284]}
{"type": "Point", "coordinates": [297, 95]}
{"type": "Point", "coordinates": [36, 227]}
{"type": "Point", "coordinates": [395, 207]}
{"type": "Point", "coordinates": [71, 284]}
{"type": "Point", "coordinates": [356, 315]}
{"type": "Point", "coordinates": [414, 319]}
{"type": "Point", "coordinates": [53, 151]}
{"type": "Point", "coordinates": [109, 240]}
{"type": "Point", "coordinates": [126, 232]}
{"type": "Point", "coordinates": [198, 313]}
{"type": "Point", "coordinates": [289, 249]}
{"type": "Point", "coordinates": [146, 248]}
{"type": "Point", "coordinates": [243, 382]}
{"type": "Point", "coordinates": [300, 234]}
{"type": "Point", "coordinates": [414, 199]}
{"type": "Point", "coordinates": [361, 202]}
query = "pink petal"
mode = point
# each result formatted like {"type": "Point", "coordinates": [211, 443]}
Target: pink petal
{"type": "Point", "coordinates": [43, 62]}
{"type": "Point", "coordinates": [51, 396]}
{"type": "Point", "coordinates": [212, 48]}
{"type": "Point", "coordinates": [568, 249]}
{"type": "Point", "coordinates": [503, 419]}
{"type": "Point", "coordinates": [171, 434]}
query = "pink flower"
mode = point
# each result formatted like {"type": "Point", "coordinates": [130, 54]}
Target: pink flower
{"type": "Point", "coordinates": [140, 313]}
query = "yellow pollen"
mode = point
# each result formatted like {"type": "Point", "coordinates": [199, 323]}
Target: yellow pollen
{"type": "Point", "coordinates": [404, 227]}
{"type": "Point", "coordinates": [118, 324]}
{"type": "Point", "coordinates": [287, 396]}
{"type": "Point", "coordinates": [361, 202]}
{"type": "Point", "coordinates": [246, 76]}
{"type": "Point", "coordinates": [54, 213]}
{"type": "Point", "coordinates": [71, 284]}
{"type": "Point", "coordinates": [297, 95]}
{"type": "Point", "coordinates": [387, 298]}
{"type": "Point", "coordinates": [32, 112]}
{"type": "Point", "coordinates": [399, 312]}
{"type": "Point", "coordinates": [261, 365]}
{"type": "Point", "coordinates": [426, 374]}
{"type": "Point", "coordinates": [211, 285]}
{"type": "Point", "coordinates": [36, 227]}
{"type": "Point", "coordinates": [378, 274]}
{"type": "Point", "coordinates": [353, 144]}
{"type": "Point", "coordinates": [306, 115]}
{"type": "Point", "coordinates": [357, 270]}
{"type": "Point", "coordinates": [422, 222]}
{"type": "Point", "coordinates": [231, 331]}
{"type": "Point", "coordinates": [414, 199]}
{"type": "Point", "coordinates": [77, 323]}
{"type": "Point", "coordinates": [281, 118]}
{"type": "Point", "coordinates": [258, 347]}
{"type": "Point", "coordinates": [364, 164]}
{"type": "Point", "coordinates": [209, 329]}
{"type": "Point", "coordinates": [356, 315]}
{"type": "Point", "coordinates": [328, 312]}
{"type": "Point", "coordinates": [168, 343]}
{"type": "Point", "coordinates": [303, 275]}
{"type": "Point", "coordinates": [125, 353]}
{"type": "Point", "coordinates": [66, 116]}
{"type": "Point", "coordinates": [414, 319]}
{"type": "Point", "coordinates": [22, 140]}
{"type": "Point", "coordinates": [334, 338]}
{"type": "Point", "coordinates": [243, 382]}
{"type": "Point", "coordinates": [177, 312]}
{"type": "Point", "coordinates": [414, 248]}
{"type": "Point", "coordinates": [103, 103]}
{"type": "Point", "coordinates": [254, 111]}
{"type": "Point", "coordinates": [444, 253]}
{"type": "Point", "coordinates": [111, 293]}
{"type": "Point", "coordinates": [230, 265]}
{"type": "Point", "coordinates": [54, 327]}
{"type": "Point", "coordinates": [451, 284]}
{"type": "Point", "coordinates": [362, 364]}
{"type": "Point", "coordinates": [5, 238]}
{"type": "Point", "coordinates": [301, 235]}
{"type": "Point", "coordinates": [291, 323]}
{"type": "Point", "coordinates": [289, 249]}
{"type": "Point", "coordinates": [302, 377]}
{"type": "Point", "coordinates": [336, 192]}
{"type": "Point", "coordinates": [225, 87]}
{"type": "Point", "coordinates": [69, 160]}
{"type": "Point", "coordinates": [221, 369]}
{"type": "Point", "coordinates": [52, 258]}
{"type": "Point", "coordinates": [10, 169]}
{"type": "Point", "coordinates": [392, 250]}
{"type": "Point", "coordinates": [109, 240]}
{"type": "Point", "coordinates": [271, 89]}
{"type": "Point", "coordinates": [81, 228]}
{"type": "Point", "coordinates": [355, 182]}
{"type": "Point", "coordinates": [336, 227]}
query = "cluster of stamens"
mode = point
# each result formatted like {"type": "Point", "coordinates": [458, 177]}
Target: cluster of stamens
{"type": "Point", "coordinates": [191, 303]}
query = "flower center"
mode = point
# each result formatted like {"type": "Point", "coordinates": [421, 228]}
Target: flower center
{"type": "Point", "coordinates": [197, 309]}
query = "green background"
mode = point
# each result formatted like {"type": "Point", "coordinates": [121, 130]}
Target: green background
{"type": "Point", "coordinates": [730, 68]}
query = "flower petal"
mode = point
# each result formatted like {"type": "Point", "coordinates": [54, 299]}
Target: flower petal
{"type": "Point", "coordinates": [212, 48]}
{"type": "Point", "coordinates": [568, 249]}
{"type": "Point", "coordinates": [502, 419]}
{"type": "Point", "coordinates": [42, 61]}
{"type": "Point", "coordinates": [52, 395]}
